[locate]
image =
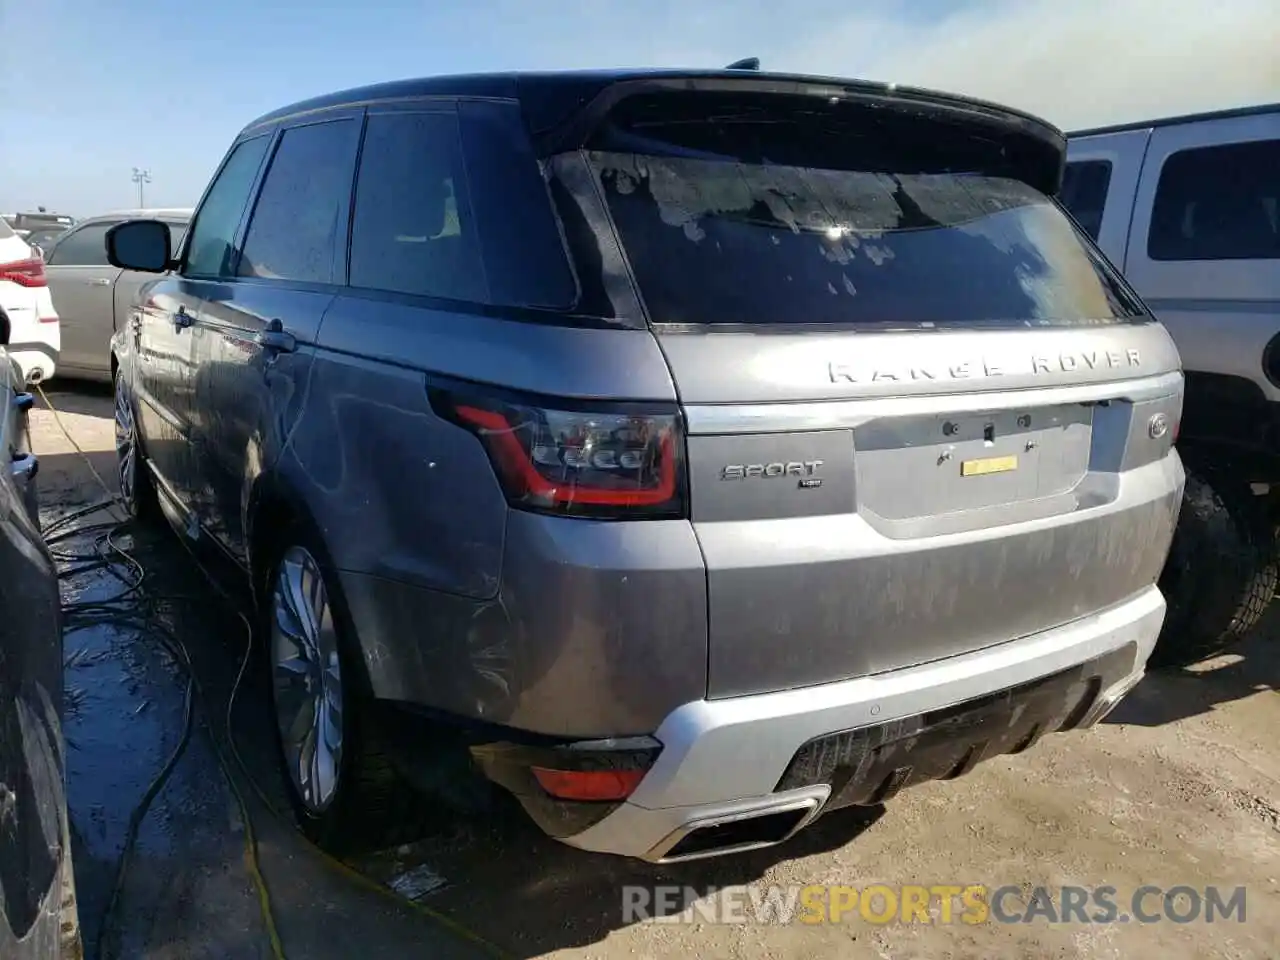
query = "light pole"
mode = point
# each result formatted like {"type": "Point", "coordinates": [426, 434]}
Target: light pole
{"type": "Point", "coordinates": [141, 177]}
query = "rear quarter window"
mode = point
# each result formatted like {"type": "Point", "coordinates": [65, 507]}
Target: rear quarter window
{"type": "Point", "coordinates": [412, 231]}
{"type": "Point", "coordinates": [453, 205]}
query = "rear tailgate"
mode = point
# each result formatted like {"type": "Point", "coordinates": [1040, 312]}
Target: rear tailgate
{"type": "Point", "coordinates": [851, 536]}
{"type": "Point", "coordinates": [924, 415]}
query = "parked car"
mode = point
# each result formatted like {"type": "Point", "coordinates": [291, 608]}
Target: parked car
{"type": "Point", "coordinates": [1189, 209]}
{"type": "Point", "coordinates": [35, 850]}
{"type": "Point", "coordinates": [41, 238]}
{"type": "Point", "coordinates": [26, 223]}
{"type": "Point", "coordinates": [90, 295]}
{"type": "Point", "coordinates": [32, 322]}
{"type": "Point", "coordinates": [701, 494]}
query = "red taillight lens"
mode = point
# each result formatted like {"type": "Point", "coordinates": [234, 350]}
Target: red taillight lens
{"type": "Point", "coordinates": [588, 784]}
{"type": "Point", "coordinates": [614, 464]}
{"type": "Point", "coordinates": [25, 273]}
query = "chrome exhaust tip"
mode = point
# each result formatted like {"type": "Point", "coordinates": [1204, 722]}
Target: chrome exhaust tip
{"type": "Point", "coordinates": [740, 830]}
{"type": "Point", "coordinates": [1109, 699]}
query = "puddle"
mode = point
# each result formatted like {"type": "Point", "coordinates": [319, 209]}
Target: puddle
{"type": "Point", "coordinates": [187, 893]}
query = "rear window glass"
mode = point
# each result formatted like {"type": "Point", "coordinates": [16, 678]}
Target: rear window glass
{"type": "Point", "coordinates": [716, 241]}
{"type": "Point", "coordinates": [5, 230]}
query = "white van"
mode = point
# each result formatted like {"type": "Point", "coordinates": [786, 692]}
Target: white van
{"type": "Point", "coordinates": [1189, 208]}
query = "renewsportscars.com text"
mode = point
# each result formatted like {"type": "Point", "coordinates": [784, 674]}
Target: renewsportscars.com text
{"type": "Point", "coordinates": [940, 904]}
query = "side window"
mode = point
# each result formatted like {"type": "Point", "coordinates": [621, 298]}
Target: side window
{"type": "Point", "coordinates": [303, 204]}
{"type": "Point", "coordinates": [412, 230]}
{"type": "Point", "coordinates": [85, 247]}
{"type": "Point", "coordinates": [1218, 203]}
{"type": "Point", "coordinates": [209, 254]}
{"type": "Point", "coordinates": [1084, 192]}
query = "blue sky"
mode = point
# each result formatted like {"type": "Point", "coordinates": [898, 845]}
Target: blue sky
{"type": "Point", "coordinates": [93, 88]}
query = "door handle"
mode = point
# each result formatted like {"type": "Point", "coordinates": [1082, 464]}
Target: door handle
{"type": "Point", "coordinates": [275, 339]}
{"type": "Point", "coordinates": [101, 281]}
{"type": "Point", "coordinates": [182, 319]}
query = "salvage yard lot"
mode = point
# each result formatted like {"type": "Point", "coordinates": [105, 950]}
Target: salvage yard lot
{"type": "Point", "coordinates": [1179, 787]}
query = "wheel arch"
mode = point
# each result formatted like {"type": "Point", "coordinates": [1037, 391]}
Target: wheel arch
{"type": "Point", "coordinates": [274, 508]}
{"type": "Point", "coordinates": [1228, 424]}
{"type": "Point", "coordinates": [278, 512]}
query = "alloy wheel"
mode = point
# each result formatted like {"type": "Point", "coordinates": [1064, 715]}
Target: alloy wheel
{"type": "Point", "coordinates": [308, 679]}
{"type": "Point", "coordinates": [126, 444]}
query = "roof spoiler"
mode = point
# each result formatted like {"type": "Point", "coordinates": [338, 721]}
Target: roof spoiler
{"type": "Point", "coordinates": [1042, 145]}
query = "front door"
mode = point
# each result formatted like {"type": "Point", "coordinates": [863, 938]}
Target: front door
{"type": "Point", "coordinates": [256, 329]}
{"type": "Point", "coordinates": [81, 283]}
{"type": "Point", "coordinates": [170, 417]}
{"type": "Point", "coordinates": [161, 328]}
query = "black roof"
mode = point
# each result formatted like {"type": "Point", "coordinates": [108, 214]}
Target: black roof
{"type": "Point", "coordinates": [1250, 111]}
{"type": "Point", "coordinates": [550, 97]}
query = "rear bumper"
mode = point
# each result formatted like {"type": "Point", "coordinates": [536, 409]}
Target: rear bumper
{"type": "Point", "coordinates": [737, 759]}
{"type": "Point", "coordinates": [37, 359]}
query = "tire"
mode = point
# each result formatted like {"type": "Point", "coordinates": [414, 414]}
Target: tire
{"type": "Point", "coordinates": [1221, 573]}
{"type": "Point", "coordinates": [367, 805]}
{"type": "Point", "coordinates": [137, 488]}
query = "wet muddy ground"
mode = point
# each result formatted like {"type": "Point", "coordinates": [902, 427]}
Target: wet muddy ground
{"type": "Point", "coordinates": [1180, 786]}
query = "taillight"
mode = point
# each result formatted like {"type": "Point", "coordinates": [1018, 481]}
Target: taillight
{"type": "Point", "coordinates": [25, 273]}
{"type": "Point", "coordinates": [607, 464]}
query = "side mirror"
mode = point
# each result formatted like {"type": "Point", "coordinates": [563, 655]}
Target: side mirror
{"type": "Point", "coordinates": [139, 245]}
{"type": "Point", "coordinates": [39, 251]}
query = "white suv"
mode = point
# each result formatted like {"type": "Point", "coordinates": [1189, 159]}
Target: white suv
{"type": "Point", "coordinates": [26, 306]}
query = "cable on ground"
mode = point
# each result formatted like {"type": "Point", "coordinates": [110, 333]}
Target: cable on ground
{"type": "Point", "coordinates": [85, 614]}
{"type": "Point", "coordinates": [107, 612]}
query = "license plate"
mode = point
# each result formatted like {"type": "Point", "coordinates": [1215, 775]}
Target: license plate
{"type": "Point", "coordinates": [987, 465]}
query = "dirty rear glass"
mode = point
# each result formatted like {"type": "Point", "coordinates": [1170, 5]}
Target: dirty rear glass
{"type": "Point", "coordinates": [720, 241]}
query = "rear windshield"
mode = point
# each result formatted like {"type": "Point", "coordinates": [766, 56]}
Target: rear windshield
{"type": "Point", "coordinates": [718, 241]}
{"type": "Point", "coordinates": [5, 230]}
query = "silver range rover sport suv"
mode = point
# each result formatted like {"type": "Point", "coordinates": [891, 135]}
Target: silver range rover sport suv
{"type": "Point", "coordinates": [700, 451]}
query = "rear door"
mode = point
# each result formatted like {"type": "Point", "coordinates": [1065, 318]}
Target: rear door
{"type": "Point", "coordinates": [81, 283]}
{"type": "Point", "coordinates": [910, 384]}
{"type": "Point", "coordinates": [257, 328]}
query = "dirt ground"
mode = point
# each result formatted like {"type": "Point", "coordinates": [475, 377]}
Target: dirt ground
{"type": "Point", "coordinates": [1179, 787]}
